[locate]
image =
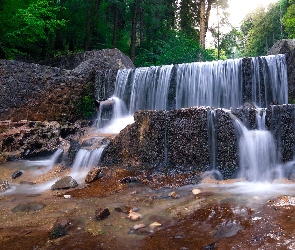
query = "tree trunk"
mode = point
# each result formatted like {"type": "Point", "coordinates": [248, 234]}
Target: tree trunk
{"type": "Point", "coordinates": [88, 27]}
{"type": "Point", "coordinates": [115, 29]}
{"type": "Point", "coordinates": [133, 31]}
{"type": "Point", "coordinates": [202, 24]}
{"type": "Point", "coordinates": [204, 10]}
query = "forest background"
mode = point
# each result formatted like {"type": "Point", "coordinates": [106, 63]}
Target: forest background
{"type": "Point", "coordinates": [150, 32]}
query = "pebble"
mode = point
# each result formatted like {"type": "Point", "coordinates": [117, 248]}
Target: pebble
{"type": "Point", "coordinates": [102, 213]}
{"type": "Point", "coordinates": [196, 191]}
{"type": "Point", "coordinates": [174, 195]}
{"type": "Point", "coordinates": [138, 226]}
{"type": "Point", "coordinates": [67, 196]}
{"type": "Point", "coordinates": [16, 174]}
{"type": "Point", "coordinates": [154, 224]}
{"type": "Point", "coordinates": [134, 216]}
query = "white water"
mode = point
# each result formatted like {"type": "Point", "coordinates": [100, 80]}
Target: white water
{"type": "Point", "coordinates": [120, 118]}
{"type": "Point", "coordinates": [84, 161]}
{"type": "Point", "coordinates": [217, 84]}
{"type": "Point", "coordinates": [44, 165]}
{"type": "Point", "coordinates": [258, 153]}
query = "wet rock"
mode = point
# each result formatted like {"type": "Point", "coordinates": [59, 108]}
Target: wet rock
{"type": "Point", "coordinates": [102, 213]}
{"type": "Point", "coordinates": [72, 152]}
{"type": "Point", "coordinates": [93, 142]}
{"type": "Point", "coordinates": [196, 191]}
{"type": "Point", "coordinates": [57, 231]}
{"type": "Point", "coordinates": [105, 141]}
{"type": "Point", "coordinates": [174, 195]}
{"type": "Point", "coordinates": [227, 229]}
{"type": "Point", "coordinates": [59, 228]}
{"type": "Point", "coordinates": [27, 139]}
{"type": "Point", "coordinates": [154, 224]}
{"type": "Point", "coordinates": [94, 174]}
{"type": "Point", "coordinates": [16, 174]}
{"type": "Point", "coordinates": [210, 246]}
{"type": "Point", "coordinates": [4, 185]}
{"type": "Point", "coordinates": [138, 226]}
{"type": "Point", "coordinates": [65, 183]}
{"type": "Point", "coordinates": [28, 207]}
{"type": "Point", "coordinates": [134, 216]}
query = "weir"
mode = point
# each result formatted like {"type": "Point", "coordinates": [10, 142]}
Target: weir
{"type": "Point", "coordinates": [246, 85]}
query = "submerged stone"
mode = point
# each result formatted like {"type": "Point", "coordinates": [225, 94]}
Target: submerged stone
{"type": "Point", "coordinates": [16, 174]}
{"type": "Point", "coordinates": [28, 207]}
{"type": "Point", "coordinates": [65, 183]}
{"type": "Point", "coordinates": [102, 213]}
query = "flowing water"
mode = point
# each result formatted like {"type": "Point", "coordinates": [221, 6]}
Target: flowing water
{"type": "Point", "coordinates": [85, 160]}
{"type": "Point", "coordinates": [237, 214]}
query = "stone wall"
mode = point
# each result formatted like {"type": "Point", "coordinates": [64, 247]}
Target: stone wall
{"type": "Point", "coordinates": [38, 92]}
{"type": "Point", "coordinates": [159, 141]}
{"type": "Point", "coordinates": [177, 139]}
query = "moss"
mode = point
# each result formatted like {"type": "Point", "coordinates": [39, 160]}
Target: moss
{"type": "Point", "coordinates": [85, 106]}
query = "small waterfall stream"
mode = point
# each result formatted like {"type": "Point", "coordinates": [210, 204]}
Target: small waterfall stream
{"type": "Point", "coordinates": [258, 159]}
{"type": "Point", "coordinates": [85, 159]}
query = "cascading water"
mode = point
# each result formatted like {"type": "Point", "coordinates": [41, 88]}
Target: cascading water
{"type": "Point", "coordinates": [48, 164]}
{"type": "Point", "coordinates": [219, 84]}
{"type": "Point", "coordinates": [213, 171]}
{"type": "Point", "coordinates": [258, 153]}
{"type": "Point", "coordinates": [84, 161]}
{"type": "Point", "coordinates": [270, 87]}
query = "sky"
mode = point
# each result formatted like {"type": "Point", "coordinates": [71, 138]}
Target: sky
{"type": "Point", "coordinates": [238, 9]}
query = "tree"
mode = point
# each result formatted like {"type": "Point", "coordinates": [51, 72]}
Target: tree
{"type": "Point", "coordinates": [289, 20]}
{"type": "Point", "coordinates": [133, 29]}
{"type": "Point", "coordinates": [262, 28]}
{"type": "Point", "coordinates": [205, 7]}
{"type": "Point", "coordinates": [35, 28]}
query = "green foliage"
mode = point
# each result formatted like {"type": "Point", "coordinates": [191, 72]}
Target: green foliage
{"type": "Point", "coordinates": [289, 21]}
{"type": "Point", "coordinates": [230, 43]}
{"type": "Point", "coordinates": [262, 28]}
{"type": "Point", "coordinates": [176, 49]}
{"type": "Point", "coordinates": [167, 31]}
{"type": "Point", "coordinates": [35, 26]}
{"type": "Point", "coordinates": [85, 107]}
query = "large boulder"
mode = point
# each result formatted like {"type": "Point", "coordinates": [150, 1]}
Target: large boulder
{"type": "Point", "coordinates": [34, 138]}
{"type": "Point", "coordinates": [63, 93]}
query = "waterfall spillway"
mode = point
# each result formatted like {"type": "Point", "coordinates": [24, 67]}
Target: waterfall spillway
{"type": "Point", "coordinates": [259, 81]}
{"type": "Point", "coordinates": [258, 152]}
{"type": "Point", "coordinates": [218, 84]}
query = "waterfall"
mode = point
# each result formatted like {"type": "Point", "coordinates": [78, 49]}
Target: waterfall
{"type": "Point", "coordinates": [258, 152]}
{"type": "Point", "coordinates": [217, 84]}
{"type": "Point", "coordinates": [85, 159]}
{"type": "Point", "coordinates": [48, 164]}
{"type": "Point", "coordinates": [213, 171]}
{"type": "Point", "coordinates": [269, 80]}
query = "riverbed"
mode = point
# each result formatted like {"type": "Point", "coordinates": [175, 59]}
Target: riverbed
{"type": "Point", "coordinates": [211, 215]}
